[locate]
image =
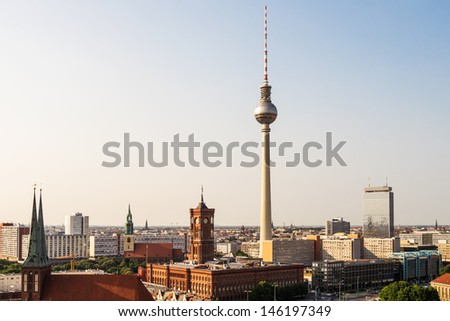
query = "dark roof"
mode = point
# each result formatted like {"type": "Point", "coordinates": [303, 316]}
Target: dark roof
{"type": "Point", "coordinates": [94, 288]}
{"type": "Point", "coordinates": [143, 250]}
{"type": "Point", "coordinates": [202, 205]}
{"type": "Point", "coordinates": [444, 278]}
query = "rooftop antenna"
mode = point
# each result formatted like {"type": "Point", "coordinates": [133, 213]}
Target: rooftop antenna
{"type": "Point", "coordinates": [266, 76]}
{"type": "Point", "coordinates": [386, 181]}
{"type": "Point", "coordinates": [369, 181]}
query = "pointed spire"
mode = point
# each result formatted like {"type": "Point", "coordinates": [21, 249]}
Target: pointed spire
{"type": "Point", "coordinates": [202, 201]}
{"type": "Point", "coordinates": [42, 242]}
{"type": "Point", "coordinates": [129, 224]}
{"type": "Point", "coordinates": [37, 250]}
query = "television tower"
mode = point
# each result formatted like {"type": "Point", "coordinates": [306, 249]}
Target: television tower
{"type": "Point", "coordinates": [265, 114]}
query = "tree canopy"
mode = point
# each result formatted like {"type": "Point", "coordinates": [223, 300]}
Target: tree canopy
{"type": "Point", "coordinates": [7, 267]}
{"type": "Point", "coordinates": [444, 270]}
{"type": "Point", "coordinates": [265, 291]}
{"type": "Point", "coordinates": [403, 291]}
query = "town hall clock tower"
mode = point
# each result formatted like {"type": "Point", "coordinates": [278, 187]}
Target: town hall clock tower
{"type": "Point", "coordinates": [201, 233]}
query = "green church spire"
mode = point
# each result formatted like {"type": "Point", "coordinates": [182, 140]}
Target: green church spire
{"type": "Point", "coordinates": [37, 253]}
{"type": "Point", "coordinates": [129, 224]}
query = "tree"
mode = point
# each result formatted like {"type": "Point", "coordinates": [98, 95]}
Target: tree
{"type": "Point", "coordinates": [7, 267]}
{"type": "Point", "coordinates": [403, 291]}
{"type": "Point", "coordinates": [240, 253]}
{"type": "Point", "coordinates": [445, 270]}
{"type": "Point", "coordinates": [262, 292]}
{"type": "Point", "coordinates": [292, 292]}
{"type": "Point", "coordinates": [265, 291]}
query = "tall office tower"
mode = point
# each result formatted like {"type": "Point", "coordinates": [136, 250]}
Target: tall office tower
{"type": "Point", "coordinates": [76, 224]}
{"type": "Point", "coordinates": [337, 225]}
{"type": "Point", "coordinates": [201, 233]}
{"type": "Point", "coordinates": [265, 114]}
{"type": "Point", "coordinates": [378, 212]}
{"type": "Point", "coordinates": [128, 241]}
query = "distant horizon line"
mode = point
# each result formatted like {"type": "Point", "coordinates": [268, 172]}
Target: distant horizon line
{"type": "Point", "coordinates": [239, 226]}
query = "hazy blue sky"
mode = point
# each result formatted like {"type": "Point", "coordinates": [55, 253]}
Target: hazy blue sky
{"type": "Point", "coordinates": [77, 74]}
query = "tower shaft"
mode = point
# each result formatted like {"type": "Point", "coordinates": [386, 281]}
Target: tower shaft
{"type": "Point", "coordinates": [266, 205]}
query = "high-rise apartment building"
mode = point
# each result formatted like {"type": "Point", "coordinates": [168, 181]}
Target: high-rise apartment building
{"type": "Point", "coordinates": [76, 224]}
{"type": "Point", "coordinates": [11, 241]}
{"type": "Point", "coordinates": [337, 225]}
{"type": "Point", "coordinates": [378, 212]}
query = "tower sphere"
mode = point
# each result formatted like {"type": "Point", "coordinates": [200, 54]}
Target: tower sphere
{"type": "Point", "coordinates": [265, 112]}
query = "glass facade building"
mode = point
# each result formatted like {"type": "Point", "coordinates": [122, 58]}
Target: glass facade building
{"type": "Point", "coordinates": [378, 212]}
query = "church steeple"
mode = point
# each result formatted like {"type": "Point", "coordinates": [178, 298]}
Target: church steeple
{"type": "Point", "coordinates": [37, 251]}
{"type": "Point", "coordinates": [42, 242]}
{"type": "Point", "coordinates": [36, 266]}
{"type": "Point", "coordinates": [129, 224]}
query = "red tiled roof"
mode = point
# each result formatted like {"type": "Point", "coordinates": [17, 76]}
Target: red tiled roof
{"type": "Point", "coordinates": [142, 250]}
{"type": "Point", "coordinates": [445, 279]}
{"type": "Point", "coordinates": [94, 288]}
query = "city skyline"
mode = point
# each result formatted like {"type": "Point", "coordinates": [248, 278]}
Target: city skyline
{"type": "Point", "coordinates": [77, 76]}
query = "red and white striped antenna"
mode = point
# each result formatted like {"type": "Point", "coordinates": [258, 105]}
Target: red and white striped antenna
{"type": "Point", "coordinates": [266, 77]}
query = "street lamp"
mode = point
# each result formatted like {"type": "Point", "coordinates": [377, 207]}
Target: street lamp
{"type": "Point", "coordinates": [248, 292]}
{"type": "Point", "coordinates": [357, 284]}
{"type": "Point", "coordinates": [275, 292]}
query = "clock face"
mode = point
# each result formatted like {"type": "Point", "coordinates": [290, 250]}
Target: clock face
{"type": "Point", "coordinates": [205, 220]}
{"type": "Point", "coordinates": [197, 220]}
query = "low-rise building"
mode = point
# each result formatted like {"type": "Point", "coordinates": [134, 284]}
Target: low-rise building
{"type": "Point", "coordinates": [250, 248]}
{"type": "Point", "coordinates": [223, 282]}
{"type": "Point", "coordinates": [419, 238]}
{"type": "Point", "coordinates": [442, 285]}
{"type": "Point", "coordinates": [227, 247]}
{"type": "Point", "coordinates": [420, 265]}
{"type": "Point", "coordinates": [334, 276]}
{"type": "Point", "coordinates": [443, 247]}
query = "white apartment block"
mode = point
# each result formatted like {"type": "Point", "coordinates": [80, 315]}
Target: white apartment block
{"type": "Point", "coordinates": [177, 240]}
{"type": "Point", "coordinates": [102, 245]}
{"type": "Point", "coordinates": [250, 248]}
{"type": "Point", "coordinates": [380, 248]}
{"type": "Point", "coordinates": [289, 251]}
{"type": "Point", "coordinates": [227, 247]}
{"type": "Point", "coordinates": [341, 249]}
{"type": "Point", "coordinates": [63, 246]}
